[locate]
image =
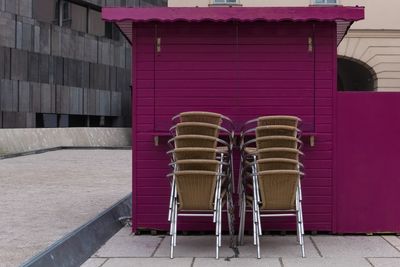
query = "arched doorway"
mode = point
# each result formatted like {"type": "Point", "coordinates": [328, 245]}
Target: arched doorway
{"type": "Point", "coordinates": [355, 75]}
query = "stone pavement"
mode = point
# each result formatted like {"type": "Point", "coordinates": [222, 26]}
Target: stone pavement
{"type": "Point", "coordinates": [45, 196]}
{"type": "Point", "coordinates": [126, 249]}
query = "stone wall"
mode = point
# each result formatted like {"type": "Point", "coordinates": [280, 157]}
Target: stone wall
{"type": "Point", "coordinates": [45, 68]}
{"type": "Point", "coordinates": [24, 140]}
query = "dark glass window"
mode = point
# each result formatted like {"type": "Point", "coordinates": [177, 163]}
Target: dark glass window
{"type": "Point", "coordinates": [96, 25]}
{"type": "Point", "coordinates": [63, 120]}
{"type": "Point", "coordinates": [62, 7]}
{"type": "Point", "coordinates": [354, 75]}
{"type": "Point", "coordinates": [44, 10]}
{"type": "Point", "coordinates": [112, 31]}
{"type": "Point", "coordinates": [77, 120]}
{"type": "Point", "coordinates": [45, 120]}
{"type": "Point", "coordinates": [78, 17]}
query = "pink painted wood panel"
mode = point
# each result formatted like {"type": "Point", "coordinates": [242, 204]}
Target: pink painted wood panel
{"type": "Point", "coordinates": [265, 69]}
{"type": "Point", "coordinates": [367, 155]}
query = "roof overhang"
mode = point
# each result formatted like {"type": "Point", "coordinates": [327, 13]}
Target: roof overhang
{"type": "Point", "coordinates": [126, 17]}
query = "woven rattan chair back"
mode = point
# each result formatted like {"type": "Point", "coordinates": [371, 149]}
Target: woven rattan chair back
{"type": "Point", "coordinates": [197, 165]}
{"type": "Point", "coordinates": [275, 130]}
{"type": "Point", "coordinates": [279, 120]}
{"type": "Point", "coordinates": [279, 152]}
{"type": "Point", "coordinates": [196, 189]}
{"type": "Point", "coordinates": [197, 128]}
{"type": "Point", "coordinates": [201, 116]}
{"type": "Point", "coordinates": [277, 141]}
{"type": "Point", "coordinates": [195, 141]}
{"type": "Point", "coordinates": [194, 153]}
{"type": "Point", "coordinates": [278, 189]}
{"type": "Point", "coordinates": [273, 164]}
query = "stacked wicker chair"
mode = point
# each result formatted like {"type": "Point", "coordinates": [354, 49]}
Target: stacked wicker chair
{"type": "Point", "coordinates": [201, 162]}
{"type": "Point", "coordinates": [270, 173]}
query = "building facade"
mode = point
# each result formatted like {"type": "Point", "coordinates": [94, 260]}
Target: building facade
{"type": "Point", "coordinates": [369, 56]}
{"type": "Point", "coordinates": [62, 66]}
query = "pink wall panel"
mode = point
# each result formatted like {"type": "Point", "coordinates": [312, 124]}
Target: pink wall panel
{"type": "Point", "coordinates": [266, 69]}
{"type": "Point", "coordinates": [367, 158]}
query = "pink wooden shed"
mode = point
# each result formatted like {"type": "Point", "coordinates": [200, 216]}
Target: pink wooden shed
{"type": "Point", "coordinates": [243, 63]}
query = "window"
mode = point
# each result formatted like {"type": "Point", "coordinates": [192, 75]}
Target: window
{"type": "Point", "coordinates": [44, 10]}
{"type": "Point", "coordinates": [96, 25]}
{"type": "Point", "coordinates": [46, 120]}
{"type": "Point", "coordinates": [112, 31]}
{"type": "Point", "coordinates": [78, 15]}
{"type": "Point", "coordinates": [62, 13]}
{"type": "Point", "coordinates": [81, 17]}
{"type": "Point", "coordinates": [325, 2]}
{"type": "Point", "coordinates": [354, 75]}
{"type": "Point", "coordinates": [225, 2]}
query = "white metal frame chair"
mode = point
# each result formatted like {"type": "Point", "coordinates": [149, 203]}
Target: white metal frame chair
{"type": "Point", "coordinates": [195, 141]}
{"type": "Point", "coordinates": [270, 147]}
{"type": "Point", "coordinates": [215, 211]}
{"type": "Point", "coordinates": [256, 202]}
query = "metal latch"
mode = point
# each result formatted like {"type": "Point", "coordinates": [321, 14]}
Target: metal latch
{"type": "Point", "coordinates": [156, 140]}
{"type": "Point", "coordinates": [310, 44]}
{"type": "Point", "coordinates": [158, 45]}
{"type": "Point", "coordinates": [312, 141]}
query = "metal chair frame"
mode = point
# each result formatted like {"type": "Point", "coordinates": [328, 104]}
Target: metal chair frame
{"type": "Point", "coordinates": [216, 212]}
{"type": "Point", "coordinates": [245, 128]}
{"type": "Point", "coordinates": [225, 120]}
{"type": "Point", "coordinates": [230, 134]}
{"type": "Point", "coordinates": [259, 213]}
{"type": "Point", "coordinates": [248, 162]}
{"type": "Point", "coordinates": [218, 140]}
{"type": "Point", "coordinates": [244, 155]}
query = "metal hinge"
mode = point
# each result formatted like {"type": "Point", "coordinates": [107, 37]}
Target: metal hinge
{"type": "Point", "coordinates": [310, 44]}
{"type": "Point", "coordinates": [158, 45]}
{"type": "Point", "coordinates": [156, 140]}
{"type": "Point", "coordinates": [312, 141]}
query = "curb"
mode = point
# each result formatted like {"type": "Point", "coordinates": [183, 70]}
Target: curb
{"type": "Point", "coordinates": [44, 150]}
{"type": "Point", "coordinates": [76, 247]}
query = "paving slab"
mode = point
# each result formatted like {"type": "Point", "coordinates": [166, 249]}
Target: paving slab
{"type": "Point", "coordinates": [127, 245]}
{"type": "Point", "coordinates": [354, 246]}
{"type": "Point", "coordinates": [205, 262]}
{"type": "Point", "coordinates": [194, 246]}
{"type": "Point", "coordinates": [385, 262]}
{"type": "Point", "coordinates": [94, 262]}
{"type": "Point", "coordinates": [326, 262]}
{"type": "Point", "coordinates": [45, 196]}
{"type": "Point", "coordinates": [393, 240]}
{"type": "Point", "coordinates": [277, 246]}
{"type": "Point", "coordinates": [337, 251]}
{"type": "Point", "coordinates": [142, 262]}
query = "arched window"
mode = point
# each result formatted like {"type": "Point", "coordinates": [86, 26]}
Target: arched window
{"type": "Point", "coordinates": [354, 75]}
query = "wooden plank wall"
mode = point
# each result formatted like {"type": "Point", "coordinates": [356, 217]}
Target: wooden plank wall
{"type": "Point", "coordinates": [265, 69]}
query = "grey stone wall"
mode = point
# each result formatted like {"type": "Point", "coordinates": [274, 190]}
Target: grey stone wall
{"type": "Point", "coordinates": [48, 69]}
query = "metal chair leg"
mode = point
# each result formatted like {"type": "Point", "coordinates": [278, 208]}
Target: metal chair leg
{"type": "Point", "coordinates": [258, 246]}
{"type": "Point", "coordinates": [220, 224]}
{"type": "Point", "coordinates": [232, 173]}
{"type": "Point", "coordinates": [176, 221]}
{"type": "Point", "coordinates": [254, 226]}
{"type": "Point", "coordinates": [257, 234]}
{"type": "Point", "coordinates": [172, 229]}
{"type": "Point", "coordinates": [298, 227]}
{"type": "Point", "coordinates": [303, 253]}
{"type": "Point", "coordinates": [301, 222]}
{"type": "Point", "coordinates": [242, 220]}
{"type": "Point", "coordinates": [217, 231]}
